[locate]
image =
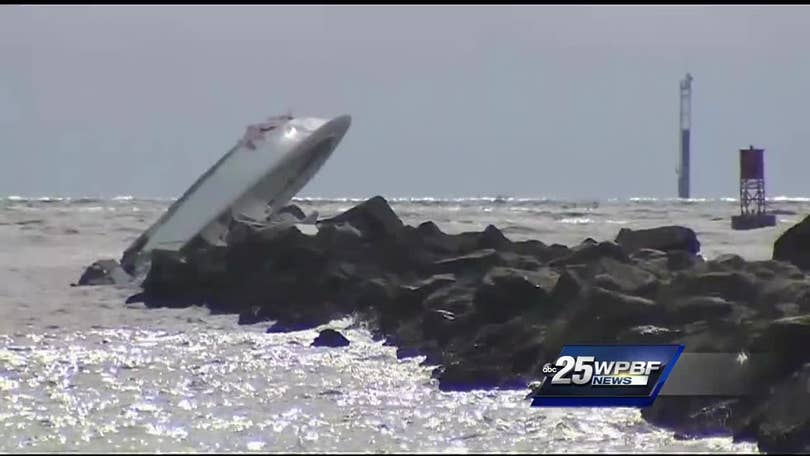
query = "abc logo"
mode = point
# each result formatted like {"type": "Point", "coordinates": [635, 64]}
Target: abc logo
{"type": "Point", "coordinates": [548, 368]}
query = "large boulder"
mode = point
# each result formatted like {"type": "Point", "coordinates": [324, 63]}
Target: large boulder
{"type": "Point", "coordinates": [456, 297]}
{"type": "Point", "coordinates": [169, 273]}
{"type": "Point", "coordinates": [613, 307]}
{"type": "Point", "coordinates": [498, 355]}
{"type": "Point", "coordinates": [694, 416]}
{"type": "Point", "coordinates": [374, 218]}
{"type": "Point", "coordinates": [787, 336]}
{"type": "Point", "coordinates": [506, 292]}
{"type": "Point", "coordinates": [432, 238]}
{"type": "Point", "coordinates": [539, 250]}
{"type": "Point", "coordinates": [696, 308]}
{"type": "Point", "coordinates": [624, 277]}
{"type": "Point", "coordinates": [735, 286]}
{"type": "Point", "coordinates": [779, 291]}
{"type": "Point", "coordinates": [104, 272]}
{"type": "Point", "coordinates": [292, 210]}
{"type": "Point", "coordinates": [476, 262]}
{"type": "Point", "coordinates": [794, 245]}
{"type": "Point", "coordinates": [493, 238]}
{"type": "Point", "coordinates": [589, 251]}
{"type": "Point", "coordinates": [569, 286]}
{"type": "Point", "coordinates": [663, 238]}
{"type": "Point", "coordinates": [783, 423]}
{"type": "Point", "coordinates": [330, 338]}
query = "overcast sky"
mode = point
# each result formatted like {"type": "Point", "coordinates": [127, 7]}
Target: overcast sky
{"type": "Point", "coordinates": [558, 101]}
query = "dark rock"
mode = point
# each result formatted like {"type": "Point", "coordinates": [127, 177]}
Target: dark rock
{"type": "Point", "coordinates": [365, 294]}
{"type": "Point", "coordinates": [104, 272]}
{"type": "Point", "coordinates": [559, 250]}
{"type": "Point", "coordinates": [456, 298]}
{"type": "Point", "coordinates": [607, 306]}
{"type": "Point", "coordinates": [540, 251]}
{"type": "Point", "coordinates": [625, 278]}
{"type": "Point", "coordinates": [476, 262]}
{"type": "Point", "coordinates": [693, 416]}
{"type": "Point", "coordinates": [507, 292]}
{"type": "Point", "coordinates": [404, 308]}
{"type": "Point", "coordinates": [787, 309]}
{"type": "Point", "coordinates": [464, 243]}
{"type": "Point", "coordinates": [645, 255]}
{"type": "Point", "coordinates": [678, 260]}
{"type": "Point", "coordinates": [293, 210]}
{"type": "Point", "coordinates": [330, 338]}
{"type": "Point", "coordinates": [783, 423]}
{"type": "Point", "coordinates": [591, 251]}
{"type": "Point", "coordinates": [794, 245]}
{"type": "Point", "coordinates": [129, 259]}
{"type": "Point", "coordinates": [442, 325]}
{"type": "Point", "coordinates": [426, 349]}
{"type": "Point", "coordinates": [787, 336]}
{"type": "Point", "coordinates": [774, 268]}
{"type": "Point", "coordinates": [341, 236]}
{"type": "Point", "coordinates": [588, 242]}
{"type": "Point", "coordinates": [647, 334]}
{"type": "Point", "coordinates": [712, 337]}
{"type": "Point", "coordinates": [374, 218]}
{"type": "Point", "coordinates": [501, 356]}
{"type": "Point", "coordinates": [252, 316]}
{"type": "Point", "coordinates": [569, 286]}
{"type": "Point", "coordinates": [432, 283]}
{"type": "Point", "coordinates": [137, 297]}
{"type": "Point", "coordinates": [514, 260]}
{"type": "Point", "coordinates": [433, 239]}
{"type": "Point", "coordinates": [735, 286]}
{"type": "Point", "coordinates": [172, 281]}
{"type": "Point", "coordinates": [531, 247]}
{"type": "Point", "coordinates": [279, 327]}
{"type": "Point", "coordinates": [779, 290]}
{"type": "Point", "coordinates": [655, 262]}
{"type": "Point", "coordinates": [728, 262]}
{"type": "Point", "coordinates": [429, 229]}
{"type": "Point", "coordinates": [493, 238]}
{"type": "Point", "coordinates": [239, 232]}
{"type": "Point", "coordinates": [694, 308]}
{"type": "Point", "coordinates": [663, 238]}
{"type": "Point", "coordinates": [458, 375]}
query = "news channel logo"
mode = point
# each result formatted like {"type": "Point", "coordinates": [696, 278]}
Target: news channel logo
{"type": "Point", "coordinates": [606, 376]}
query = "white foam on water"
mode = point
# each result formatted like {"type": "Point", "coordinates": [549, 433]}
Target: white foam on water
{"type": "Point", "coordinates": [577, 220]}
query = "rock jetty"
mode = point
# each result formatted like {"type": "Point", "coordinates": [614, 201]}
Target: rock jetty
{"type": "Point", "coordinates": [487, 312]}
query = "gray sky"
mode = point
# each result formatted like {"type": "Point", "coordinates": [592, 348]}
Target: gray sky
{"type": "Point", "coordinates": [558, 101]}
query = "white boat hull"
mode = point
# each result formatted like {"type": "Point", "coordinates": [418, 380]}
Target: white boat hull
{"type": "Point", "coordinates": [255, 179]}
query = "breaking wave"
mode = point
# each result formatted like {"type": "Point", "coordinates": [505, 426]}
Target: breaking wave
{"type": "Point", "coordinates": [790, 199]}
{"type": "Point", "coordinates": [577, 220]}
{"type": "Point", "coordinates": [80, 199]}
{"type": "Point", "coordinates": [422, 200]}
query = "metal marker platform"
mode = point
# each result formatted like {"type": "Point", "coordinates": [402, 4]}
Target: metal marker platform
{"type": "Point", "coordinates": [753, 208]}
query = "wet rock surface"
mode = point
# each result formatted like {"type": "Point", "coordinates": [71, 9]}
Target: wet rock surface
{"type": "Point", "coordinates": [104, 272]}
{"type": "Point", "coordinates": [794, 245]}
{"type": "Point", "coordinates": [662, 238]}
{"type": "Point", "coordinates": [330, 338]}
{"type": "Point", "coordinates": [488, 312]}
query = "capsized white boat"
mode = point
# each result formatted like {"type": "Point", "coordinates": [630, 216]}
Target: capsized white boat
{"type": "Point", "coordinates": [260, 175]}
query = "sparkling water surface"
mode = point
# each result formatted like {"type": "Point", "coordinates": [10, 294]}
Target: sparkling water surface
{"type": "Point", "coordinates": [82, 371]}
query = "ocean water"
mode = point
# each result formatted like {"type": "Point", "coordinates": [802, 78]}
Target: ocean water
{"type": "Point", "coordinates": [82, 371]}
